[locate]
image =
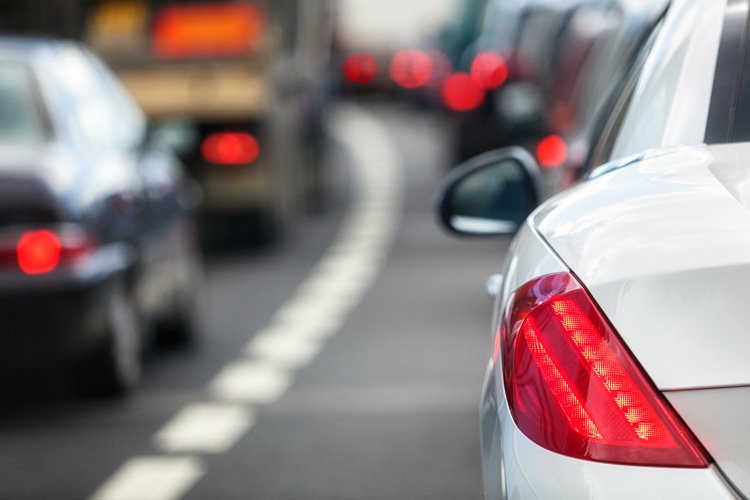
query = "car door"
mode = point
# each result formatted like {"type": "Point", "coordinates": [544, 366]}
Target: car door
{"type": "Point", "coordinates": [166, 236]}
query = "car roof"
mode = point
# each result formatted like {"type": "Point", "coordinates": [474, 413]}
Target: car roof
{"type": "Point", "coordinates": [29, 48]}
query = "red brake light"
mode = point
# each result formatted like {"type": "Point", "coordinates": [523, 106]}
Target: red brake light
{"type": "Point", "coordinates": [462, 93]}
{"type": "Point", "coordinates": [552, 152]}
{"type": "Point", "coordinates": [573, 387]}
{"type": "Point", "coordinates": [38, 252]}
{"type": "Point", "coordinates": [41, 251]}
{"type": "Point", "coordinates": [230, 148]}
{"type": "Point", "coordinates": [360, 68]}
{"type": "Point", "coordinates": [489, 70]}
{"type": "Point", "coordinates": [411, 69]}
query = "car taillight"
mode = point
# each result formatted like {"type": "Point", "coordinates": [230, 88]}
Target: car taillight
{"type": "Point", "coordinates": [411, 69]}
{"type": "Point", "coordinates": [489, 70]}
{"type": "Point", "coordinates": [573, 387]}
{"type": "Point", "coordinates": [41, 251]}
{"type": "Point", "coordinates": [552, 152]}
{"type": "Point", "coordinates": [38, 252]}
{"type": "Point", "coordinates": [461, 93]}
{"type": "Point", "coordinates": [360, 69]}
{"type": "Point", "coordinates": [230, 148]}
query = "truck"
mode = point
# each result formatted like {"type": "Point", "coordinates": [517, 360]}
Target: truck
{"type": "Point", "coordinates": [237, 87]}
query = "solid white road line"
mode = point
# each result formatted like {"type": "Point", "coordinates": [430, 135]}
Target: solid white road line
{"type": "Point", "coordinates": [204, 428]}
{"type": "Point", "coordinates": [151, 478]}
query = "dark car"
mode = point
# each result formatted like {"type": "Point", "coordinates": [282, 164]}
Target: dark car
{"type": "Point", "coordinates": [97, 242]}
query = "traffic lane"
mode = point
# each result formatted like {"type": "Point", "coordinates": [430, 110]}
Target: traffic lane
{"type": "Point", "coordinates": [57, 446]}
{"type": "Point", "coordinates": [389, 408]}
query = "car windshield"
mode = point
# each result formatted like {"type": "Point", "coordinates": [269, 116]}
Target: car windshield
{"type": "Point", "coordinates": [19, 115]}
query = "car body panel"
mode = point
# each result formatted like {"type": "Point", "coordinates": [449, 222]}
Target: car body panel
{"type": "Point", "coordinates": [529, 257]}
{"type": "Point", "coordinates": [719, 417]}
{"type": "Point", "coordinates": [663, 245]}
{"type": "Point", "coordinates": [534, 472]}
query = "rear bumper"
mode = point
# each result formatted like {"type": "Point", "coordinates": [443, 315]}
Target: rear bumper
{"type": "Point", "coordinates": [50, 321]}
{"type": "Point", "coordinates": [51, 329]}
{"type": "Point", "coordinates": [514, 467]}
{"type": "Point", "coordinates": [235, 189]}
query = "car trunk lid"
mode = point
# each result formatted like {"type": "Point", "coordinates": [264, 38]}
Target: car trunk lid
{"type": "Point", "coordinates": [663, 246]}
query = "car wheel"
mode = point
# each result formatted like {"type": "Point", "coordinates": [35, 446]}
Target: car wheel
{"type": "Point", "coordinates": [115, 368]}
{"type": "Point", "coordinates": [182, 326]}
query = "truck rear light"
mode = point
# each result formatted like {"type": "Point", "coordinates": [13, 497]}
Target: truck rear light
{"type": "Point", "coordinates": [573, 387]}
{"type": "Point", "coordinates": [230, 148]}
{"type": "Point", "coordinates": [207, 29]}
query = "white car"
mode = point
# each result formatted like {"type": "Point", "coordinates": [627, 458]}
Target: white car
{"type": "Point", "coordinates": [619, 365]}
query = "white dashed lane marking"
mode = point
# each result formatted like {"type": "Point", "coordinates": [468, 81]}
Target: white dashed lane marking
{"type": "Point", "coordinates": [293, 338]}
{"type": "Point", "coordinates": [251, 381]}
{"type": "Point", "coordinates": [205, 428]}
{"type": "Point", "coordinates": [152, 478]}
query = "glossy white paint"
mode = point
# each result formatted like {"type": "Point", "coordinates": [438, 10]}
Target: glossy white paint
{"type": "Point", "coordinates": [533, 472]}
{"type": "Point", "coordinates": [664, 247]}
{"type": "Point", "coordinates": [528, 257]}
{"type": "Point", "coordinates": [719, 417]}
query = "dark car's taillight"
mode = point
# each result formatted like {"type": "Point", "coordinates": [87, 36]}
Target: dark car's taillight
{"type": "Point", "coordinates": [411, 69]}
{"type": "Point", "coordinates": [461, 92]}
{"type": "Point", "coordinates": [489, 70]}
{"type": "Point", "coordinates": [40, 251]}
{"type": "Point", "coordinates": [360, 69]}
{"type": "Point", "coordinates": [573, 387]}
{"type": "Point", "coordinates": [552, 152]}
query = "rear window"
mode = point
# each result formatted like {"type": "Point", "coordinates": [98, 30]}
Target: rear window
{"type": "Point", "coordinates": [19, 114]}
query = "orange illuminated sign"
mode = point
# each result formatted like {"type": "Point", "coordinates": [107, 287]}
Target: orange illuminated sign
{"type": "Point", "coordinates": [207, 30]}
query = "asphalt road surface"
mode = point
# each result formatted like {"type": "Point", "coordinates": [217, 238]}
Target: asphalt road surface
{"type": "Point", "coordinates": [344, 364]}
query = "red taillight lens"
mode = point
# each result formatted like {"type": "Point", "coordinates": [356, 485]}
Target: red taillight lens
{"type": "Point", "coordinates": [489, 70]}
{"type": "Point", "coordinates": [552, 152]}
{"type": "Point", "coordinates": [230, 148]}
{"type": "Point", "coordinates": [360, 69]}
{"type": "Point", "coordinates": [462, 93]}
{"type": "Point", "coordinates": [38, 252]}
{"type": "Point", "coordinates": [411, 69]}
{"type": "Point", "coordinates": [573, 387]}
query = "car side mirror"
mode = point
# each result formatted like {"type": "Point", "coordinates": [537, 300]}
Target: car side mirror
{"type": "Point", "coordinates": [490, 194]}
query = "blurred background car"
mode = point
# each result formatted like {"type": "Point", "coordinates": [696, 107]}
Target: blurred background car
{"type": "Point", "coordinates": [558, 117]}
{"type": "Point", "coordinates": [98, 243]}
